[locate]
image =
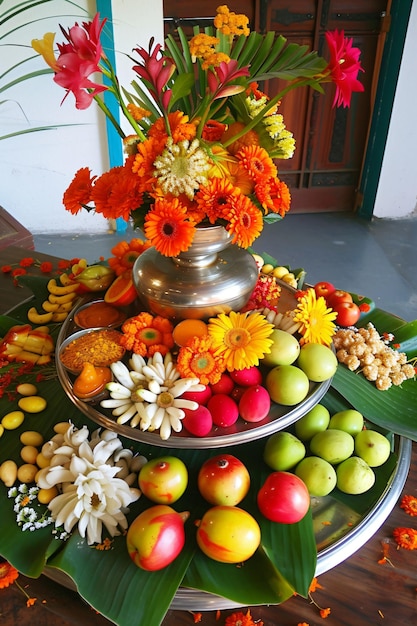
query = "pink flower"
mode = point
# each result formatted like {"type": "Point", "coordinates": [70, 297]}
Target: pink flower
{"type": "Point", "coordinates": [78, 59]}
{"type": "Point", "coordinates": [156, 71]}
{"type": "Point", "coordinates": [221, 79]}
{"type": "Point", "coordinates": [344, 67]}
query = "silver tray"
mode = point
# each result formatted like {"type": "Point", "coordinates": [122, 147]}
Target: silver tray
{"type": "Point", "coordinates": [279, 417]}
{"type": "Point", "coordinates": [347, 533]}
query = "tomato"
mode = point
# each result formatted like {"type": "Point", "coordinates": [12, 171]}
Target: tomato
{"type": "Point", "coordinates": [338, 296]}
{"type": "Point", "coordinates": [348, 313]}
{"type": "Point", "coordinates": [324, 289]}
{"type": "Point", "coordinates": [283, 498]}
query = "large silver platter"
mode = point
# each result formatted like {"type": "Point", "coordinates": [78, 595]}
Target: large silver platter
{"type": "Point", "coordinates": [347, 533]}
{"type": "Point", "coordinates": [279, 417]}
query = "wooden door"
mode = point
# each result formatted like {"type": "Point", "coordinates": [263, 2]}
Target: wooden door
{"type": "Point", "coordinates": [324, 173]}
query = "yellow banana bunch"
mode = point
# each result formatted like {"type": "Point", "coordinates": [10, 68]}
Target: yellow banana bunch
{"type": "Point", "coordinates": [59, 303]}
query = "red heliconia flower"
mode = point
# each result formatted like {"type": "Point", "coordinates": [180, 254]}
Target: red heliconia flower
{"type": "Point", "coordinates": [220, 79]}
{"type": "Point", "coordinates": [156, 70]}
{"type": "Point", "coordinates": [78, 59]}
{"type": "Point", "coordinates": [344, 67]}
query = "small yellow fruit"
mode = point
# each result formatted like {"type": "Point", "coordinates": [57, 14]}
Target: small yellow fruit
{"type": "Point", "coordinates": [267, 268]}
{"type": "Point", "coordinates": [8, 472]}
{"type": "Point", "coordinates": [27, 389]}
{"type": "Point", "coordinates": [280, 271]}
{"type": "Point", "coordinates": [13, 420]}
{"type": "Point", "coordinates": [26, 473]}
{"type": "Point", "coordinates": [46, 495]}
{"type": "Point", "coordinates": [42, 461]}
{"type": "Point", "coordinates": [31, 438]}
{"type": "Point", "coordinates": [29, 454]}
{"type": "Point", "coordinates": [32, 404]}
{"type": "Point", "coordinates": [61, 428]}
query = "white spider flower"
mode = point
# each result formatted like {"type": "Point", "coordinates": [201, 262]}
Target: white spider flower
{"type": "Point", "coordinates": [148, 395]}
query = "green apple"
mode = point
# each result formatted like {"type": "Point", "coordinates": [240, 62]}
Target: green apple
{"type": "Point", "coordinates": [283, 451]}
{"type": "Point", "coordinates": [314, 421]}
{"type": "Point", "coordinates": [354, 476]}
{"type": "Point", "coordinates": [284, 350]}
{"type": "Point", "coordinates": [333, 445]}
{"type": "Point", "coordinates": [317, 361]}
{"type": "Point", "coordinates": [350, 421]}
{"type": "Point", "coordinates": [287, 385]}
{"type": "Point", "coordinates": [319, 475]}
{"type": "Point", "coordinates": [373, 447]}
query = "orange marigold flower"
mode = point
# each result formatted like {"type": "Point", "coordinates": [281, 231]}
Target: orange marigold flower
{"type": "Point", "coordinates": [242, 619]}
{"type": "Point", "coordinates": [245, 221]}
{"type": "Point", "coordinates": [145, 334]}
{"type": "Point", "coordinates": [6, 269]}
{"type": "Point", "coordinates": [8, 574]}
{"type": "Point", "coordinates": [26, 262]}
{"type": "Point", "coordinates": [142, 164]}
{"type": "Point", "coordinates": [117, 192]}
{"type": "Point", "coordinates": [213, 130]}
{"type": "Point", "coordinates": [20, 271]}
{"type": "Point", "coordinates": [168, 227]}
{"type": "Point", "coordinates": [179, 124]}
{"type": "Point", "coordinates": [138, 113]}
{"type": "Point", "coordinates": [409, 504]}
{"type": "Point", "coordinates": [196, 359]}
{"type": "Point", "coordinates": [78, 194]}
{"type": "Point", "coordinates": [324, 613]}
{"type": "Point", "coordinates": [46, 267]}
{"type": "Point", "coordinates": [250, 138]}
{"type": "Point", "coordinates": [257, 163]}
{"type": "Point", "coordinates": [231, 23]}
{"type": "Point", "coordinates": [405, 537]}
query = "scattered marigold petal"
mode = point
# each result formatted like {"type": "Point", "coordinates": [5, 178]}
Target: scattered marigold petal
{"type": "Point", "coordinates": [409, 505]}
{"type": "Point", "coordinates": [324, 613]}
{"type": "Point", "coordinates": [405, 537]}
{"type": "Point", "coordinates": [30, 602]}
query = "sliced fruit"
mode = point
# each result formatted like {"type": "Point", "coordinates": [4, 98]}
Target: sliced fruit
{"type": "Point", "coordinates": [122, 291]}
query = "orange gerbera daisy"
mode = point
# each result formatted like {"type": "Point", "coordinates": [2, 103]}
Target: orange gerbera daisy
{"type": "Point", "coordinates": [78, 194]}
{"type": "Point", "coordinates": [196, 360]}
{"type": "Point", "coordinates": [257, 163]}
{"type": "Point", "coordinates": [216, 198]}
{"type": "Point", "coordinates": [125, 254]}
{"type": "Point", "coordinates": [142, 164]}
{"type": "Point", "coordinates": [245, 221]}
{"type": "Point", "coordinates": [168, 227]}
{"type": "Point", "coordinates": [8, 574]}
{"type": "Point", "coordinates": [274, 195]}
{"type": "Point", "coordinates": [117, 192]}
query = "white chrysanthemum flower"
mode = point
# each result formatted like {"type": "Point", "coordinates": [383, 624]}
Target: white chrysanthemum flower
{"type": "Point", "coordinates": [148, 395]}
{"type": "Point", "coordinates": [182, 168]}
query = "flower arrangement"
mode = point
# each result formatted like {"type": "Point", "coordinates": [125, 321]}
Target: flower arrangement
{"type": "Point", "coordinates": [204, 136]}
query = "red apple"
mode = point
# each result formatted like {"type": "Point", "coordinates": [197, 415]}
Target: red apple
{"type": "Point", "coordinates": [198, 422]}
{"type": "Point", "coordinates": [164, 479]}
{"type": "Point", "coordinates": [156, 537]}
{"type": "Point", "coordinates": [348, 313]}
{"type": "Point", "coordinates": [283, 498]}
{"type": "Point", "coordinates": [223, 410]}
{"type": "Point", "coordinates": [339, 296]}
{"type": "Point", "coordinates": [324, 289]}
{"type": "Point", "coordinates": [223, 480]}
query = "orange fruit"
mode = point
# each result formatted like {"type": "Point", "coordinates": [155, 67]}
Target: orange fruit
{"type": "Point", "coordinates": [122, 291]}
{"type": "Point", "coordinates": [187, 329]}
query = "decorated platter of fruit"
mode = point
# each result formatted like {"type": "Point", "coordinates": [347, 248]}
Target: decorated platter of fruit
{"type": "Point", "coordinates": [242, 405]}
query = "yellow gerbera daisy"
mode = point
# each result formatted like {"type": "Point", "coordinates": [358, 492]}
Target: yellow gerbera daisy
{"type": "Point", "coordinates": [316, 319]}
{"type": "Point", "coordinates": [241, 339]}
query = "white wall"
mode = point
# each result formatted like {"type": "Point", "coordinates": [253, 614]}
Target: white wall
{"type": "Point", "coordinates": [36, 168]}
{"type": "Point", "coordinates": [397, 190]}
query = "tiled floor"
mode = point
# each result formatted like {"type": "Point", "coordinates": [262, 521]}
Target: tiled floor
{"type": "Point", "coordinates": [375, 258]}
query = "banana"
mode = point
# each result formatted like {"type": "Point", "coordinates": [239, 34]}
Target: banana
{"type": "Point", "coordinates": [58, 290]}
{"type": "Point", "coordinates": [39, 318]}
{"type": "Point", "coordinates": [65, 306]}
{"type": "Point", "coordinates": [65, 280]}
{"type": "Point", "coordinates": [49, 306]}
{"type": "Point", "coordinates": [69, 297]}
{"type": "Point", "coordinates": [59, 317]}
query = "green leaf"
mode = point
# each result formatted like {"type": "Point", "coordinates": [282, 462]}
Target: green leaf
{"type": "Point", "coordinates": [182, 87]}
